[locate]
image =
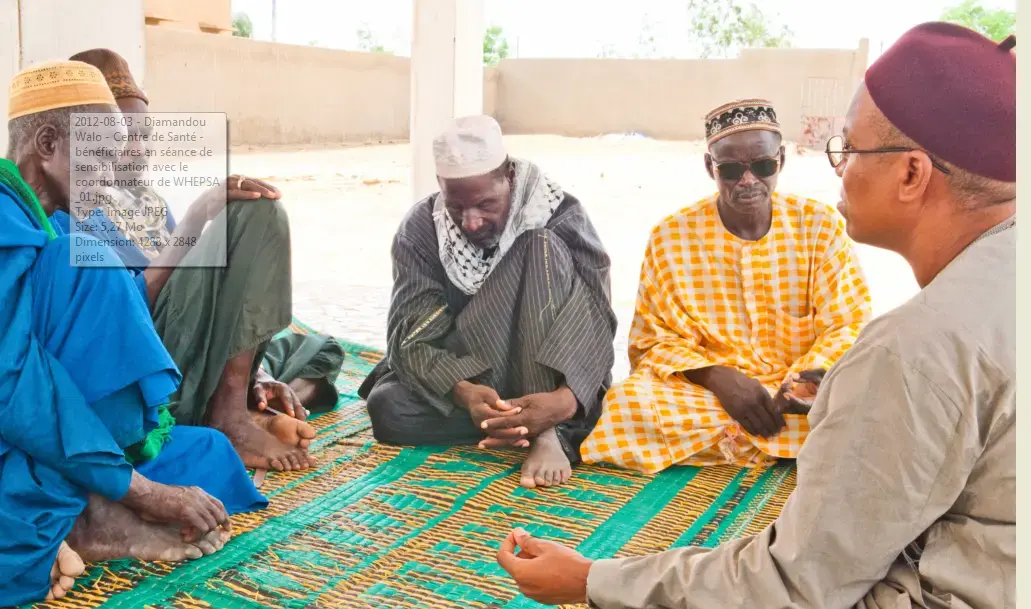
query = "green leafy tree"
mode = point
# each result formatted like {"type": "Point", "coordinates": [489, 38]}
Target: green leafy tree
{"type": "Point", "coordinates": [646, 47]}
{"type": "Point", "coordinates": [495, 46]}
{"type": "Point", "coordinates": [996, 24]}
{"type": "Point", "coordinates": [723, 26]}
{"type": "Point", "coordinates": [368, 42]}
{"type": "Point", "coordinates": [242, 25]}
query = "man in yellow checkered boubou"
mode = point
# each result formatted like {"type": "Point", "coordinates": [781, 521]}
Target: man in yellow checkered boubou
{"type": "Point", "coordinates": [746, 298]}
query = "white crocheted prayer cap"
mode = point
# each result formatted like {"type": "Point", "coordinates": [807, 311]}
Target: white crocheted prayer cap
{"type": "Point", "coordinates": [470, 146]}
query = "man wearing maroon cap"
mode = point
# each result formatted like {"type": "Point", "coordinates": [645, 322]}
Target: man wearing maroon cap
{"type": "Point", "coordinates": [906, 483]}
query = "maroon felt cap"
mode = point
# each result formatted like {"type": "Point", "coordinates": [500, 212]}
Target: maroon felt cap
{"type": "Point", "coordinates": [954, 92]}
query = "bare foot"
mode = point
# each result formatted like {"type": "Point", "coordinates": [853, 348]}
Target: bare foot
{"type": "Point", "coordinates": [67, 567]}
{"type": "Point", "coordinates": [109, 531]}
{"type": "Point", "coordinates": [213, 541]}
{"type": "Point", "coordinates": [257, 446]}
{"type": "Point", "coordinates": [288, 430]}
{"type": "Point", "coordinates": [227, 412]}
{"type": "Point", "coordinates": [546, 465]}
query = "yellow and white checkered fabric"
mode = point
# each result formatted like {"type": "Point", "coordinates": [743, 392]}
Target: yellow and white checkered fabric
{"type": "Point", "coordinates": [795, 300]}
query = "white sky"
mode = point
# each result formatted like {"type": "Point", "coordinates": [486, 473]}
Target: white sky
{"type": "Point", "coordinates": [582, 28]}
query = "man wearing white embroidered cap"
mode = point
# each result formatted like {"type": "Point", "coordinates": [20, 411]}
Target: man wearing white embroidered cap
{"type": "Point", "coordinates": [500, 327]}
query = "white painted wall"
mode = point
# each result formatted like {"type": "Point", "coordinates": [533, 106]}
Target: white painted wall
{"type": "Point", "coordinates": [56, 29]}
{"type": "Point", "coordinates": [9, 57]}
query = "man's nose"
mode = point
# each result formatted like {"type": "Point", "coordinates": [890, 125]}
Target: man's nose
{"type": "Point", "coordinates": [471, 221]}
{"type": "Point", "coordinates": [748, 179]}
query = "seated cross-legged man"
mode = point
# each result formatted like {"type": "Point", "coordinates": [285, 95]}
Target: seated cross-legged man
{"type": "Point", "coordinates": [91, 463]}
{"type": "Point", "coordinates": [746, 298]}
{"type": "Point", "coordinates": [500, 326]}
{"type": "Point", "coordinates": [218, 323]}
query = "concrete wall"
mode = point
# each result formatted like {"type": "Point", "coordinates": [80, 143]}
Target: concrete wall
{"type": "Point", "coordinates": [277, 93]}
{"type": "Point", "coordinates": [286, 94]}
{"type": "Point", "coordinates": [669, 98]}
{"type": "Point", "coordinates": [211, 16]}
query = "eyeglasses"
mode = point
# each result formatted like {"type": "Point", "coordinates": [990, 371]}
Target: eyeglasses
{"type": "Point", "coordinates": [732, 171]}
{"type": "Point", "coordinates": [838, 151]}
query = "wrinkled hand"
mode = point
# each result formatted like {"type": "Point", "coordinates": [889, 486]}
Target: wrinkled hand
{"type": "Point", "coordinates": [237, 188]}
{"type": "Point", "coordinates": [483, 404]}
{"type": "Point", "coordinates": [198, 512]}
{"type": "Point", "coordinates": [539, 412]}
{"type": "Point", "coordinates": [241, 188]}
{"type": "Point", "coordinates": [798, 392]}
{"type": "Point", "coordinates": [545, 571]}
{"type": "Point", "coordinates": [747, 402]}
{"type": "Point", "coordinates": [267, 391]}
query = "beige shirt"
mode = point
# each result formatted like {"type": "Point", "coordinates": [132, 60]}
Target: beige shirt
{"type": "Point", "coordinates": [906, 484]}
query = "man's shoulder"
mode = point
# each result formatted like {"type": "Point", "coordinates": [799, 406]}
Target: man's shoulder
{"type": "Point", "coordinates": [810, 214]}
{"type": "Point", "coordinates": [570, 221]}
{"type": "Point", "coordinates": [418, 220]}
{"type": "Point", "coordinates": [16, 221]}
{"type": "Point", "coordinates": [690, 217]}
{"type": "Point", "coordinates": [945, 341]}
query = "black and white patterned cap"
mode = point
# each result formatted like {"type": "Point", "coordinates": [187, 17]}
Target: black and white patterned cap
{"type": "Point", "coordinates": [741, 115]}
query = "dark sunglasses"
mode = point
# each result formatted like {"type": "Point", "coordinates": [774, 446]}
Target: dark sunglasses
{"type": "Point", "coordinates": [733, 171]}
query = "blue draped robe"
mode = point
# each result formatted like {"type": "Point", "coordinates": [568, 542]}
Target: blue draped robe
{"type": "Point", "coordinates": [82, 373]}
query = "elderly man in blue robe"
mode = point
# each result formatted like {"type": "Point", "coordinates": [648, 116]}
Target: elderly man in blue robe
{"type": "Point", "coordinates": [92, 467]}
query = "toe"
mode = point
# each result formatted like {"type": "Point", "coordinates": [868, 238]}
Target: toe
{"type": "Point", "coordinates": [300, 460]}
{"type": "Point", "coordinates": [66, 582]}
{"type": "Point", "coordinates": [70, 563]}
{"type": "Point", "coordinates": [304, 443]}
{"type": "Point", "coordinates": [276, 464]}
{"type": "Point", "coordinates": [205, 546]}
{"type": "Point", "coordinates": [193, 553]}
{"type": "Point", "coordinates": [539, 479]}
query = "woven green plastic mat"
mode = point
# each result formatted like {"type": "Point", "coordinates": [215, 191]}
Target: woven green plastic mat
{"type": "Point", "coordinates": [388, 527]}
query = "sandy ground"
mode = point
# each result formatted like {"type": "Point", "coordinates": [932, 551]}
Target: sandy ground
{"type": "Point", "coordinates": [346, 203]}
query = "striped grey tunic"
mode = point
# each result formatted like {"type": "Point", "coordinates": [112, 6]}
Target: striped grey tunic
{"type": "Point", "coordinates": [542, 317]}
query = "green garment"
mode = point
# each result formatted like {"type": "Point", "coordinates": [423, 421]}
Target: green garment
{"type": "Point", "coordinates": [208, 315]}
{"type": "Point", "coordinates": [150, 447]}
{"type": "Point", "coordinates": [315, 357]}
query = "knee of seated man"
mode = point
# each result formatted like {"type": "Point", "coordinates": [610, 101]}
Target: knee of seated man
{"type": "Point", "coordinates": [269, 213]}
{"type": "Point", "coordinates": [384, 404]}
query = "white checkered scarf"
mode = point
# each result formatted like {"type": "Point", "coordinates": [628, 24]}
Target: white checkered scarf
{"type": "Point", "coordinates": [534, 200]}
